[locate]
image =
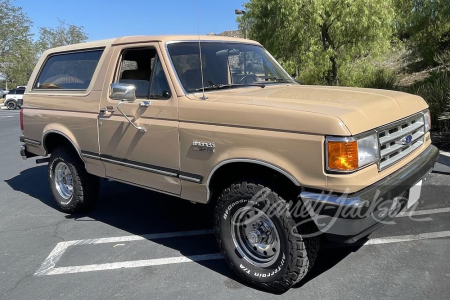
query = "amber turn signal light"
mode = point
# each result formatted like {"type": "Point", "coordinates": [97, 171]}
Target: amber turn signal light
{"type": "Point", "coordinates": [343, 155]}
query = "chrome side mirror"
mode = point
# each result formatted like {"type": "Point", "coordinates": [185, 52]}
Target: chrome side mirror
{"type": "Point", "coordinates": [123, 92]}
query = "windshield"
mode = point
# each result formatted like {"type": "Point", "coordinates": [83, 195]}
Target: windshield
{"type": "Point", "coordinates": [224, 65]}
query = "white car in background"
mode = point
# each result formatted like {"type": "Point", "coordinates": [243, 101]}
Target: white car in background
{"type": "Point", "coordinates": [14, 99]}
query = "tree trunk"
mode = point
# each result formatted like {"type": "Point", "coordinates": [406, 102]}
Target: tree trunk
{"type": "Point", "coordinates": [334, 71]}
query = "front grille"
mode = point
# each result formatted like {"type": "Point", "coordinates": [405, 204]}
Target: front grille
{"type": "Point", "coordinates": [390, 138]}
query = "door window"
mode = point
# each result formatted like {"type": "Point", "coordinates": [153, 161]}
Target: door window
{"type": "Point", "coordinates": [143, 68]}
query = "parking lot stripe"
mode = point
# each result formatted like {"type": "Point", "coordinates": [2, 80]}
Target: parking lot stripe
{"type": "Point", "coordinates": [423, 212]}
{"type": "Point", "coordinates": [48, 267]}
{"type": "Point", "coordinates": [61, 247]}
{"type": "Point", "coordinates": [134, 264]}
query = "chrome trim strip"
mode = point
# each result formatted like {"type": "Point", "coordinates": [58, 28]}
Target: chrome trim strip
{"type": "Point", "coordinates": [187, 178]}
{"type": "Point", "coordinates": [138, 167]}
{"type": "Point", "coordinates": [336, 200]}
{"type": "Point", "coordinates": [246, 160]}
{"type": "Point", "coordinates": [90, 156]}
{"type": "Point", "coordinates": [406, 119]}
{"type": "Point", "coordinates": [31, 142]}
{"type": "Point", "coordinates": [148, 168]}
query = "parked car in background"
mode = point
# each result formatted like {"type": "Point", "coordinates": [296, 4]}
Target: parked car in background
{"type": "Point", "coordinates": [14, 99]}
{"type": "Point", "coordinates": [3, 93]}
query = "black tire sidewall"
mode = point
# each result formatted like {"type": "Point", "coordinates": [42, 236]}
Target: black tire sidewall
{"type": "Point", "coordinates": [65, 204]}
{"type": "Point", "coordinates": [270, 273]}
{"type": "Point", "coordinates": [7, 105]}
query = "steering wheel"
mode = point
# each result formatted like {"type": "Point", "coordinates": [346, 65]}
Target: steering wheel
{"type": "Point", "coordinates": [249, 75]}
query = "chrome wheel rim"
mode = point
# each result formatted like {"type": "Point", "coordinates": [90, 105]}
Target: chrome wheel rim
{"type": "Point", "coordinates": [63, 181]}
{"type": "Point", "coordinates": [10, 105]}
{"type": "Point", "coordinates": [255, 236]}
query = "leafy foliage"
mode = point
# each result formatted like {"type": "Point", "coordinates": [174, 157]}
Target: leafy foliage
{"type": "Point", "coordinates": [18, 51]}
{"type": "Point", "coordinates": [64, 34]}
{"type": "Point", "coordinates": [321, 36]}
{"type": "Point", "coordinates": [425, 25]}
{"type": "Point", "coordinates": [436, 91]}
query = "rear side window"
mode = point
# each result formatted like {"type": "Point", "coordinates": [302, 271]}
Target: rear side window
{"type": "Point", "coordinates": [71, 71]}
{"type": "Point", "coordinates": [20, 92]}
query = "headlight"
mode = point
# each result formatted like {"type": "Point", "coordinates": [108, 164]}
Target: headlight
{"type": "Point", "coordinates": [427, 120]}
{"type": "Point", "coordinates": [350, 154]}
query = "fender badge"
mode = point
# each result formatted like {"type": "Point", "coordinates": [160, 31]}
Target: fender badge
{"type": "Point", "coordinates": [204, 146]}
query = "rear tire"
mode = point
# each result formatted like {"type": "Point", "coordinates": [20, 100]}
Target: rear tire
{"type": "Point", "coordinates": [273, 255]}
{"type": "Point", "coordinates": [11, 105]}
{"type": "Point", "coordinates": [74, 189]}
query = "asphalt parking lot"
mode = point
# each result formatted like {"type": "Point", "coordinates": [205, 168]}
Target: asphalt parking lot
{"type": "Point", "coordinates": [137, 244]}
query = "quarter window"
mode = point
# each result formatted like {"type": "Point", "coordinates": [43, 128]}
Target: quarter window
{"type": "Point", "coordinates": [159, 86]}
{"type": "Point", "coordinates": [70, 71]}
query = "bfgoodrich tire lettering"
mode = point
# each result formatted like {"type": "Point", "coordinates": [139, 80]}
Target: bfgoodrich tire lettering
{"type": "Point", "coordinates": [296, 254]}
{"type": "Point", "coordinates": [85, 186]}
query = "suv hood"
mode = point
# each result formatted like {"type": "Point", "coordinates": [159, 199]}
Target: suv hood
{"type": "Point", "coordinates": [359, 109]}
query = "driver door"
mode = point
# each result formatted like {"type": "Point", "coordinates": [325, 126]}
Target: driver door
{"type": "Point", "coordinates": [148, 157]}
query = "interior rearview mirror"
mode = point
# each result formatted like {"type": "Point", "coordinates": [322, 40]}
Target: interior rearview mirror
{"type": "Point", "coordinates": [228, 52]}
{"type": "Point", "coordinates": [123, 92]}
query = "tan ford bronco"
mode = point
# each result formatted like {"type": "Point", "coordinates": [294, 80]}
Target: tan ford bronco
{"type": "Point", "coordinates": [217, 120]}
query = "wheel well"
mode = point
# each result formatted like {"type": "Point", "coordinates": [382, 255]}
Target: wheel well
{"type": "Point", "coordinates": [233, 172]}
{"type": "Point", "coordinates": [54, 140]}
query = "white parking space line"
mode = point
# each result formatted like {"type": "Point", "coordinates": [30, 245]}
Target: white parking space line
{"type": "Point", "coordinates": [6, 116]}
{"type": "Point", "coordinates": [423, 212]}
{"type": "Point", "coordinates": [48, 267]}
{"type": "Point", "coordinates": [58, 251]}
{"type": "Point", "coordinates": [133, 264]}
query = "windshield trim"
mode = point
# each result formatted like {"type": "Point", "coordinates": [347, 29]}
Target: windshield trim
{"type": "Point", "coordinates": [219, 41]}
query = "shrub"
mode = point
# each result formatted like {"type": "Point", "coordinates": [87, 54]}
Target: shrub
{"type": "Point", "coordinates": [436, 92]}
{"type": "Point", "coordinates": [381, 79]}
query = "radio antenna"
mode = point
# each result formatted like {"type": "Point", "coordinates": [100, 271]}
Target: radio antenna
{"type": "Point", "coordinates": [200, 50]}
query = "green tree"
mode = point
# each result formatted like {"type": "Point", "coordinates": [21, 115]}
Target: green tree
{"type": "Point", "coordinates": [321, 36]}
{"type": "Point", "coordinates": [16, 46]}
{"type": "Point", "coordinates": [64, 34]}
{"type": "Point", "coordinates": [425, 26]}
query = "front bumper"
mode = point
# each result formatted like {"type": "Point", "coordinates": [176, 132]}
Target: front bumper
{"type": "Point", "coordinates": [347, 218]}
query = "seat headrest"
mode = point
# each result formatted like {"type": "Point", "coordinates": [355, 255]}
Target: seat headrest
{"type": "Point", "coordinates": [136, 75]}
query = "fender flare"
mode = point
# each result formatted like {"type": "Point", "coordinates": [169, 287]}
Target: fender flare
{"type": "Point", "coordinates": [247, 160]}
{"type": "Point", "coordinates": [47, 132]}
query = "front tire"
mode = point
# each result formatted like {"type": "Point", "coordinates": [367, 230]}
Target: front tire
{"type": "Point", "coordinates": [260, 239]}
{"type": "Point", "coordinates": [74, 189]}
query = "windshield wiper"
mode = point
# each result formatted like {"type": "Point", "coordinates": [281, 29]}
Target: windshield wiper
{"type": "Point", "coordinates": [228, 86]}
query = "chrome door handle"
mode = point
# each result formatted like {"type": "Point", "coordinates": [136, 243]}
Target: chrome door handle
{"type": "Point", "coordinates": [145, 103]}
{"type": "Point", "coordinates": [106, 109]}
